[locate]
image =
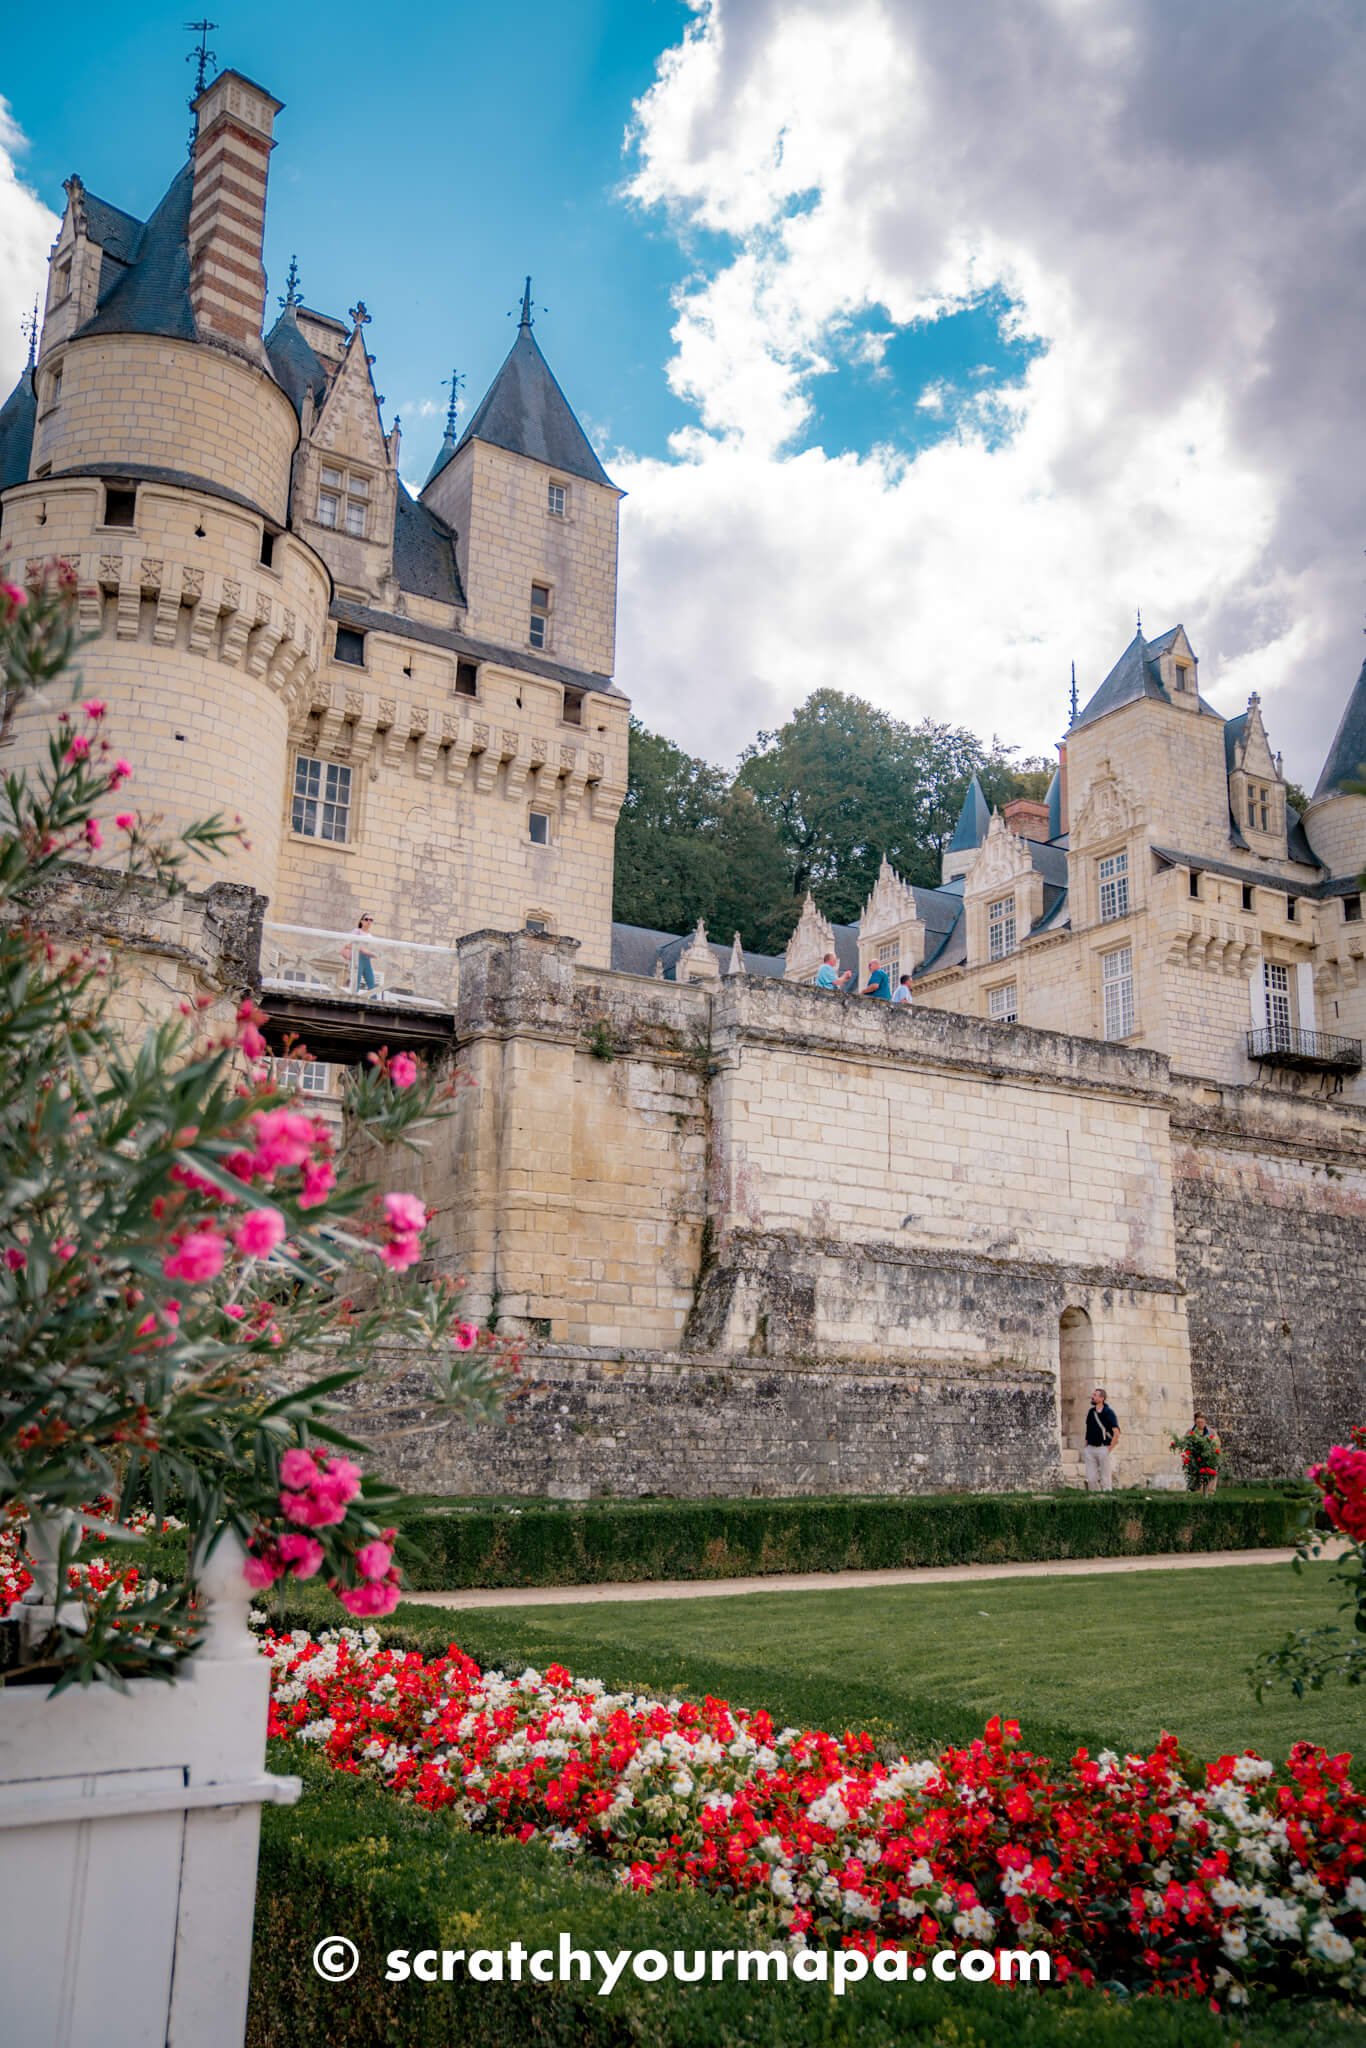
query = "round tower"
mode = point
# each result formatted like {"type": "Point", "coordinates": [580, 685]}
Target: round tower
{"type": "Point", "coordinates": [160, 468]}
{"type": "Point", "coordinates": [1336, 817]}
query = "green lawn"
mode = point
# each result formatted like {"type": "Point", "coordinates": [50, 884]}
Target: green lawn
{"type": "Point", "coordinates": [1111, 1659]}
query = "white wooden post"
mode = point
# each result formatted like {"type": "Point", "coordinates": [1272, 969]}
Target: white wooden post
{"type": "Point", "coordinates": [129, 1825]}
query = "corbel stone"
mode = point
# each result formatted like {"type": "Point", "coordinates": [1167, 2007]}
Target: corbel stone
{"type": "Point", "coordinates": [202, 625]}
{"type": "Point", "coordinates": [263, 645]}
{"type": "Point", "coordinates": [130, 609]}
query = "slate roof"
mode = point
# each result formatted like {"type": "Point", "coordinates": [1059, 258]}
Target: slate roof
{"type": "Point", "coordinates": [17, 417]}
{"type": "Point", "coordinates": [117, 233]}
{"type": "Point", "coordinates": [365, 619]}
{"type": "Point", "coordinates": [150, 292]}
{"type": "Point", "coordinates": [297, 365]}
{"type": "Point", "coordinates": [525, 411]}
{"type": "Point", "coordinates": [1054, 802]}
{"type": "Point", "coordinates": [1134, 675]}
{"type": "Point", "coordinates": [1261, 878]}
{"type": "Point", "coordinates": [973, 820]}
{"type": "Point", "coordinates": [637, 947]}
{"type": "Point", "coordinates": [443, 456]}
{"type": "Point", "coordinates": [1347, 755]}
{"type": "Point", "coordinates": [424, 551]}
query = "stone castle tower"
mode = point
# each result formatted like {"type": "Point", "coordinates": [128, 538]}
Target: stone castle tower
{"type": "Point", "coordinates": [407, 700]}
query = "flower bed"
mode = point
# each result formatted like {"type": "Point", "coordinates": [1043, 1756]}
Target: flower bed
{"type": "Point", "coordinates": [1140, 1871]}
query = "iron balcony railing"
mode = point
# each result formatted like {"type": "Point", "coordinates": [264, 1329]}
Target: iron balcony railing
{"type": "Point", "coordinates": [357, 967]}
{"type": "Point", "coordinates": [1280, 1045]}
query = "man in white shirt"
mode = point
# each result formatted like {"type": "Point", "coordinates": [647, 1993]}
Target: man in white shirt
{"type": "Point", "coordinates": [902, 992]}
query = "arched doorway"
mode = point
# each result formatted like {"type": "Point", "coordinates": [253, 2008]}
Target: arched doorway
{"type": "Point", "coordinates": [1076, 1378]}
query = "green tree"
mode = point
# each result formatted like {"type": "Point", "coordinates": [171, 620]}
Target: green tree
{"type": "Point", "coordinates": [667, 858]}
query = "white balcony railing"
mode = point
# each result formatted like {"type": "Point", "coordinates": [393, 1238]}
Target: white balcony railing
{"type": "Point", "coordinates": [355, 967]}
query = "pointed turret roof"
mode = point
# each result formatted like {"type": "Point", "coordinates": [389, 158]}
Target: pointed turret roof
{"type": "Point", "coordinates": [148, 292]}
{"type": "Point", "coordinates": [974, 820]}
{"type": "Point", "coordinates": [443, 456]}
{"type": "Point", "coordinates": [1347, 756]}
{"type": "Point", "coordinates": [1136, 674]}
{"type": "Point", "coordinates": [18, 415]}
{"type": "Point", "coordinates": [525, 411]}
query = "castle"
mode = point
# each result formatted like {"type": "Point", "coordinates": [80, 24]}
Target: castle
{"type": "Point", "coordinates": [759, 1237]}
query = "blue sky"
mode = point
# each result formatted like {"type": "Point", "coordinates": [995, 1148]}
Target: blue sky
{"type": "Point", "coordinates": [926, 352]}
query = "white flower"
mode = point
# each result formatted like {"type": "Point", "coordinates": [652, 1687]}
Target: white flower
{"type": "Point", "coordinates": [1355, 1894]}
{"type": "Point", "coordinates": [1248, 1770]}
{"type": "Point", "coordinates": [1325, 1941]}
{"type": "Point", "coordinates": [977, 1924]}
{"type": "Point", "coordinates": [1234, 1943]}
{"type": "Point", "coordinates": [781, 1886]}
{"type": "Point", "coordinates": [1282, 1919]}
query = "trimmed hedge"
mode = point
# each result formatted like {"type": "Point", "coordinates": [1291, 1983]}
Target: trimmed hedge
{"type": "Point", "coordinates": [454, 1544]}
{"type": "Point", "coordinates": [353, 1860]}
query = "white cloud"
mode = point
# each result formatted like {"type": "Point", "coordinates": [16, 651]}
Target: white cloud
{"type": "Point", "coordinates": [1166, 192]}
{"type": "Point", "coordinates": [27, 231]}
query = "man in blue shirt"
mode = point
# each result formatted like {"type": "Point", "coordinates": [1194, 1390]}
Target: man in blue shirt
{"type": "Point", "coordinates": [827, 976]}
{"type": "Point", "coordinates": [879, 983]}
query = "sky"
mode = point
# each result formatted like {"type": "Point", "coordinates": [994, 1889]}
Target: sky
{"type": "Point", "coordinates": [931, 344]}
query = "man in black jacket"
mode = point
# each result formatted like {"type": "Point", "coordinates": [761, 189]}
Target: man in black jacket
{"type": "Point", "coordinates": [1102, 1434]}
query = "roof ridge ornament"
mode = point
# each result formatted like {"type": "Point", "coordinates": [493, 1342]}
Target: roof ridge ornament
{"type": "Point", "coordinates": [293, 296]}
{"type": "Point", "coordinates": [358, 316]}
{"type": "Point", "coordinates": [527, 311]}
{"type": "Point", "coordinates": [28, 327]}
{"type": "Point", "coordinates": [201, 57]}
{"type": "Point", "coordinates": [1074, 704]}
{"type": "Point", "coordinates": [455, 380]}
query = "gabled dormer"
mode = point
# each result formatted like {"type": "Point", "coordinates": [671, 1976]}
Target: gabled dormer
{"type": "Point", "coordinates": [95, 245]}
{"type": "Point", "coordinates": [346, 475]}
{"type": "Point", "coordinates": [1178, 671]}
{"type": "Point", "coordinates": [1256, 786]}
{"type": "Point", "coordinates": [891, 929]}
{"type": "Point", "coordinates": [1002, 895]}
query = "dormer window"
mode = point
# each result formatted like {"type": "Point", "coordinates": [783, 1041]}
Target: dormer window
{"type": "Point", "coordinates": [1001, 928]}
{"type": "Point", "coordinates": [1185, 675]}
{"type": "Point", "coordinates": [344, 501]}
{"type": "Point", "coordinates": [1258, 807]}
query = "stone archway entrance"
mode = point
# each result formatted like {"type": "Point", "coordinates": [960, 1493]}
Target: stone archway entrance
{"type": "Point", "coordinates": [1076, 1378]}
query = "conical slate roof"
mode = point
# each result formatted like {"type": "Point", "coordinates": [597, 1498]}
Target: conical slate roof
{"type": "Point", "coordinates": [525, 411]}
{"type": "Point", "coordinates": [17, 417]}
{"type": "Point", "coordinates": [1347, 756]}
{"type": "Point", "coordinates": [152, 294]}
{"type": "Point", "coordinates": [974, 820]}
{"type": "Point", "coordinates": [443, 456]}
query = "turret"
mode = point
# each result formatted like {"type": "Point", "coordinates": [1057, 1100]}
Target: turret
{"type": "Point", "coordinates": [1336, 818]}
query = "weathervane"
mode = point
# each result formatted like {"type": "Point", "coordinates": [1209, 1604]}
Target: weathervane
{"type": "Point", "coordinates": [1138, 623]}
{"type": "Point", "coordinates": [293, 296]}
{"type": "Point", "coordinates": [1073, 719]}
{"type": "Point", "coordinates": [455, 380]}
{"type": "Point", "coordinates": [28, 327]}
{"type": "Point", "coordinates": [201, 57]}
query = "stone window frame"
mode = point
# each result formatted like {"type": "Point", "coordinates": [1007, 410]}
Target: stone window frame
{"type": "Point", "coordinates": [1114, 983]}
{"type": "Point", "coordinates": [540, 811]}
{"type": "Point", "coordinates": [540, 614]}
{"type": "Point", "coordinates": [303, 1076]}
{"type": "Point", "coordinates": [1113, 898]}
{"type": "Point", "coordinates": [540, 922]}
{"type": "Point", "coordinates": [557, 498]}
{"type": "Point", "coordinates": [1003, 1003]}
{"type": "Point", "coordinates": [304, 751]}
{"type": "Point", "coordinates": [351, 493]}
{"type": "Point", "coordinates": [1003, 930]}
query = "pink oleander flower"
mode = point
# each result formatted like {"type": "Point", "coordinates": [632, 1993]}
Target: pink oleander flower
{"type": "Point", "coordinates": [120, 773]}
{"type": "Point", "coordinates": [284, 1137]}
{"type": "Point", "coordinates": [234, 1311]}
{"type": "Point", "coordinates": [404, 1213]}
{"type": "Point", "coordinates": [78, 748]}
{"type": "Point", "coordinates": [403, 1070]}
{"type": "Point", "coordinates": [198, 1256]}
{"type": "Point", "coordinates": [96, 708]}
{"type": "Point", "coordinates": [12, 598]}
{"type": "Point", "coordinates": [465, 1336]}
{"type": "Point", "coordinates": [371, 1600]}
{"type": "Point", "coordinates": [94, 837]}
{"type": "Point", "coordinates": [401, 1253]}
{"type": "Point", "coordinates": [298, 1468]}
{"type": "Point", "coordinates": [64, 1248]}
{"type": "Point", "coordinates": [373, 1560]}
{"type": "Point", "coordinates": [15, 1259]}
{"type": "Point", "coordinates": [318, 1500]}
{"type": "Point", "coordinates": [260, 1230]}
{"type": "Point", "coordinates": [260, 1571]}
{"type": "Point", "coordinates": [126, 821]}
{"type": "Point", "coordinates": [303, 1554]}
{"type": "Point", "coordinates": [319, 1180]}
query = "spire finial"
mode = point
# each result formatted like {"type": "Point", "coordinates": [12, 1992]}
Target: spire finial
{"type": "Point", "coordinates": [1073, 718]}
{"type": "Point", "coordinates": [357, 314]}
{"type": "Point", "coordinates": [293, 296]}
{"type": "Point", "coordinates": [1138, 623]}
{"type": "Point", "coordinates": [201, 57]}
{"type": "Point", "coordinates": [455, 380]}
{"type": "Point", "coordinates": [526, 320]}
{"type": "Point", "coordinates": [29, 326]}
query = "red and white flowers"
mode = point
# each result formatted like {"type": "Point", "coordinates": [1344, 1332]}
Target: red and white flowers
{"type": "Point", "coordinates": [1133, 1870]}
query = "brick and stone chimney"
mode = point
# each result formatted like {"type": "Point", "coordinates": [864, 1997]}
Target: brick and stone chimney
{"type": "Point", "coordinates": [232, 149]}
{"type": "Point", "coordinates": [1026, 819]}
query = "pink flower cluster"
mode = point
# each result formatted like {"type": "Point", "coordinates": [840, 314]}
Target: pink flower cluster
{"type": "Point", "coordinates": [406, 1219]}
{"type": "Point", "coordinates": [378, 1591]}
{"type": "Point", "coordinates": [315, 1489]}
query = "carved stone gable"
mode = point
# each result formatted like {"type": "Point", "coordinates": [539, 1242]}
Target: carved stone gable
{"type": "Point", "coordinates": [1107, 811]}
{"type": "Point", "coordinates": [890, 906]}
{"type": "Point", "coordinates": [809, 944]}
{"type": "Point", "coordinates": [1002, 860]}
{"type": "Point", "coordinates": [697, 962]}
{"type": "Point", "coordinates": [1253, 751]}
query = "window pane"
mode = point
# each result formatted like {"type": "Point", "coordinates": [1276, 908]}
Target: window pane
{"type": "Point", "coordinates": [327, 509]}
{"type": "Point", "coordinates": [1117, 974]}
{"type": "Point", "coordinates": [332, 479]}
{"type": "Point", "coordinates": [539, 827]}
{"type": "Point", "coordinates": [555, 497]}
{"type": "Point", "coordinates": [540, 596]}
{"type": "Point", "coordinates": [537, 632]}
{"type": "Point", "coordinates": [355, 518]}
{"type": "Point", "coordinates": [358, 486]}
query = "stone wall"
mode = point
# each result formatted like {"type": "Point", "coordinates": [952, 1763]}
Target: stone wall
{"type": "Point", "coordinates": [636, 1423]}
{"type": "Point", "coordinates": [1270, 1203]}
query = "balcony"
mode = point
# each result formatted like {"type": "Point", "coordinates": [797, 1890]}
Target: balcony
{"type": "Point", "coordinates": [1308, 1052]}
{"type": "Point", "coordinates": [345, 994]}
